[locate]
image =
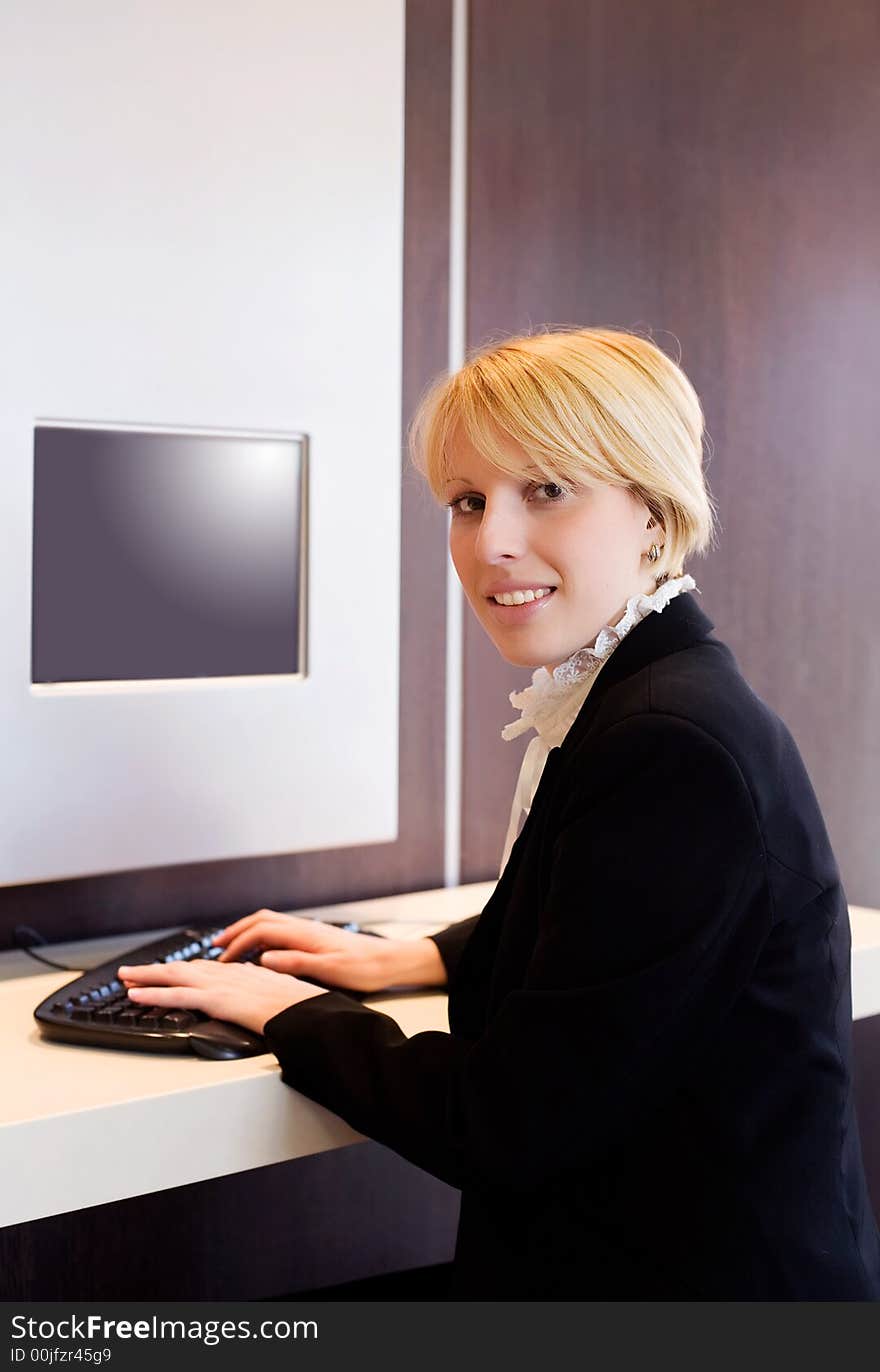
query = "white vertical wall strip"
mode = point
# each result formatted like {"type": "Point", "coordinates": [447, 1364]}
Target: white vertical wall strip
{"type": "Point", "coordinates": [457, 347]}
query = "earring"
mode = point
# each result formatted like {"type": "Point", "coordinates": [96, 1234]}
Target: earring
{"type": "Point", "coordinates": [653, 553]}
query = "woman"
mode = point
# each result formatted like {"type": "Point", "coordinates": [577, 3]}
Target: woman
{"type": "Point", "coordinates": [646, 1091]}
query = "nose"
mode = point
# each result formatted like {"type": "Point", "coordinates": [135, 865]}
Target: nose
{"type": "Point", "coordinates": [501, 535]}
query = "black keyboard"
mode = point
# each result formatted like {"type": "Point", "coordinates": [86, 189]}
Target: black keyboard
{"type": "Point", "coordinates": [95, 1009]}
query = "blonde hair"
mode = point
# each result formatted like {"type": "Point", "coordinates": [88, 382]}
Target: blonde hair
{"type": "Point", "coordinates": [586, 405]}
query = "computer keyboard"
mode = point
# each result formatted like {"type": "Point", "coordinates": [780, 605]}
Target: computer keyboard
{"type": "Point", "coordinates": [94, 1008]}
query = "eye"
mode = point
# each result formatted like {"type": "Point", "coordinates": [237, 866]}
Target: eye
{"type": "Point", "coordinates": [553, 493]}
{"type": "Point", "coordinates": [459, 506]}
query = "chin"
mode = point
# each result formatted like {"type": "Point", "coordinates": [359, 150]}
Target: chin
{"type": "Point", "coordinates": [530, 663]}
{"type": "Point", "coordinates": [523, 659]}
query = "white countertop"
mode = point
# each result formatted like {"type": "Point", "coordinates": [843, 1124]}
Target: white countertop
{"type": "Point", "coordinates": [83, 1126]}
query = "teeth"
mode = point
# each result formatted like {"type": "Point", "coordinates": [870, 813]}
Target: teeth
{"type": "Point", "coordinates": [522, 597]}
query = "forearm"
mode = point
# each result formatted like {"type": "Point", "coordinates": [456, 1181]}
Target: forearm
{"type": "Point", "coordinates": [414, 962]}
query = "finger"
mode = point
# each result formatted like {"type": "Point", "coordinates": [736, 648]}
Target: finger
{"type": "Point", "coordinates": [238, 925]}
{"type": "Point", "coordinates": [294, 962]}
{"type": "Point", "coordinates": [167, 973]}
{"type": "Point", "coordinates": [331, 968]}
{"type": "Point", "coordinates": [304, 935]}
{"type": "Point", "coordinates": [245, 928]}
{"type": "Point", "coordinates": [266, 934]}
{"type": "Point", "coordinates": [179, 997]}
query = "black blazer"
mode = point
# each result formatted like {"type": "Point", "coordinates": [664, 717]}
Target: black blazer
{"type": "Point", "coordinates": [646, 1092]}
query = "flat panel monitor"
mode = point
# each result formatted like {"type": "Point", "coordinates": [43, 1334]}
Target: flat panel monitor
{"type": "Point", "coordinates": [166, 554]}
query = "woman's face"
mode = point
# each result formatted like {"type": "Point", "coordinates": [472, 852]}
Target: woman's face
{"type": "Point", "coordinates": [584, 550]}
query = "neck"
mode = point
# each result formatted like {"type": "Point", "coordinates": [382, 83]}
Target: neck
{"type": "Point", "coordinates": [614, 620]}
{"type": "Point", "coordinates": [611, 620]}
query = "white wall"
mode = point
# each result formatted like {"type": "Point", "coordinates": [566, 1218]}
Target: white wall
{"type": "Point", "coordinates": [202, 226]}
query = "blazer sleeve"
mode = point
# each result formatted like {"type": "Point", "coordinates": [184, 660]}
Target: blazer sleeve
{"type": "Point", "coordinates": [655, 914]}
{"type": "Point", "coordinates": [451, 943]}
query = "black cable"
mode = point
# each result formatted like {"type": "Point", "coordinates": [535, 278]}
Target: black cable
{"type": "Point", "coordinates": [25, 931]}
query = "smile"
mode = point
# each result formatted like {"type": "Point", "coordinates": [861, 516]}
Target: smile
{"type": "Point", "coordinates": [517, 607]}
{"type": "Point", "coordinates": [521, 597]}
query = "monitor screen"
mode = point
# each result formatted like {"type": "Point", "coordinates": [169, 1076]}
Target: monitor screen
{"type": "Point", "coordinates": [164, 554]}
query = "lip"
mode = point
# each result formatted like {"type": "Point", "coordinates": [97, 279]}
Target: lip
{"type": "Point", "coordinates": [518, 614]}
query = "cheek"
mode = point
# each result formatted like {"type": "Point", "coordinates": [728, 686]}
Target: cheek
{"type": "Point", "coordinates": [462, 555]}
{"type": "Point", "coordinates": [600, 553]}
{"type": "Point", "coordinates": [581, 555]}
{"type": "Point", "coordinates": [461, 550]}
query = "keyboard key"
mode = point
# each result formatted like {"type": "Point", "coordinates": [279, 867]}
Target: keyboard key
{"type": "Point", "coordinates": [81, 1012]}
{"type": "Point", "coordinates": [178, 1019]}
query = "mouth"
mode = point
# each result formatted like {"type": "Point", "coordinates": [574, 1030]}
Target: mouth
{"type": "Point", "coordinates": [521, 595]}
{"type": "Point", "coordinates": [525, 610]}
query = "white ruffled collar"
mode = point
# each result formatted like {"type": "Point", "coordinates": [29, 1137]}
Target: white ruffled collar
{"type": "Point", "coordinates": [551, 703]}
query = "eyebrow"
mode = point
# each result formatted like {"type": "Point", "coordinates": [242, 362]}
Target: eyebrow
{"type": "Point", "coordinates": [526, 471]}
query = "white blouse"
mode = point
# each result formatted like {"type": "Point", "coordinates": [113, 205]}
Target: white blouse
{"type": "Point", "coordinates": [552, 702]}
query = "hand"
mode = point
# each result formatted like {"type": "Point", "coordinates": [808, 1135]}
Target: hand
{"type": "Point", "coordinates": [336, 957]}
{"type": "Point", "coordinates": [239, 992]}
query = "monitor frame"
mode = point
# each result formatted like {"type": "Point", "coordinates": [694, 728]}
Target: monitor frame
{"type": "Point", "coordinates": [160, 684]}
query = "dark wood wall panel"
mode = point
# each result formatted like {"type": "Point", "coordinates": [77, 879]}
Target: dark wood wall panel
{"type": "Point", "coordinates": [707, 172]}
{"type": "Point", "coordinates": [336, 1217]}
{"type": "Point", "coordinates": [157, 897]}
